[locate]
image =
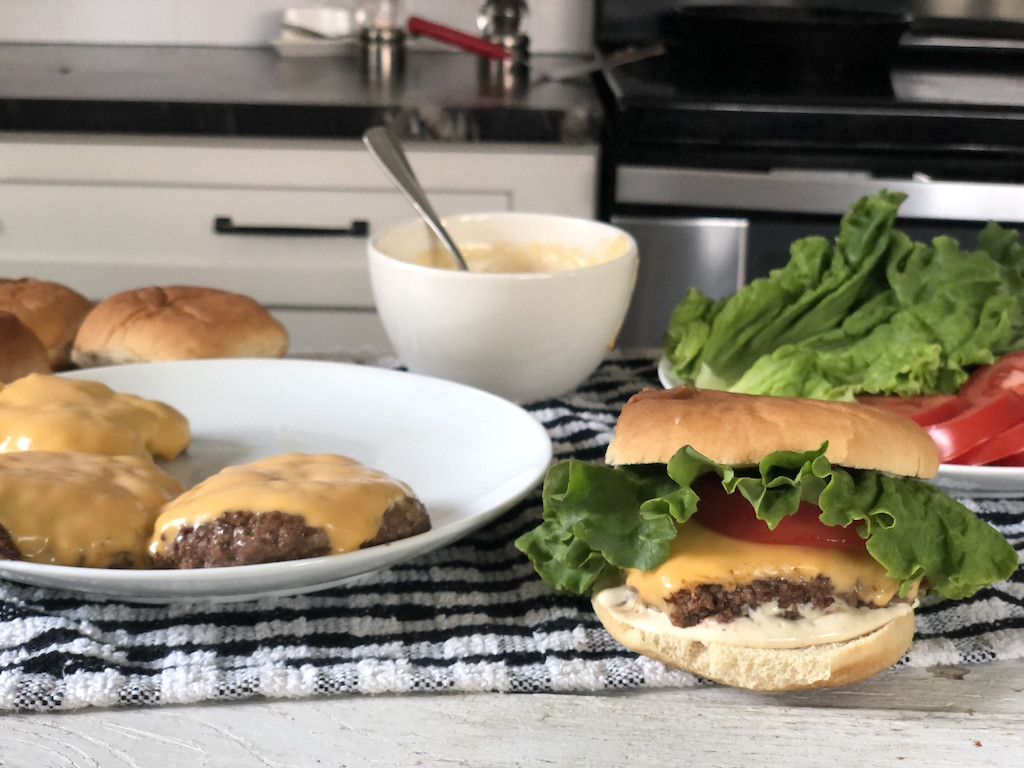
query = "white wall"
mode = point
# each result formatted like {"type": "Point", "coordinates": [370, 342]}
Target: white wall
{"type": "Point", "coordinates": [555, 26]}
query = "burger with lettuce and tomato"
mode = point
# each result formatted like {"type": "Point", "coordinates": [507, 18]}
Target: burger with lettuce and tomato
{"type": "Point", "coordinates": [768, 543]}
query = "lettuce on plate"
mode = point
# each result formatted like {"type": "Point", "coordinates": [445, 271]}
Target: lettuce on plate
{"type": "Point", "coordinates": [872, 313]}
{"type": "Point", "coordinates": [598, 519]}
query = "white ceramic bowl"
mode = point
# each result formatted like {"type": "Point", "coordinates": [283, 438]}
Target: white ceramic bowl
{"type": "Point", "coordinates": [524, 336]}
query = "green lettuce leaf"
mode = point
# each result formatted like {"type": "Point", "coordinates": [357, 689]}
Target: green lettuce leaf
{"type": "Point", "coordinates": [1004, 246]}
{"type": "Point", "coordinates": [875, 314]}
{"type": "Point", "coordinates": [597, 519]}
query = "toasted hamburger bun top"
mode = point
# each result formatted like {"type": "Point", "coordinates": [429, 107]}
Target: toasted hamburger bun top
{"type": "Point", "coordinates": [53, 312]}
{"type": "Point", "coordinates": [737, 429]}
{"type": "Point", "coordinates": [21, 351]}
{"type": "Point", "coordinates": [177, 323]}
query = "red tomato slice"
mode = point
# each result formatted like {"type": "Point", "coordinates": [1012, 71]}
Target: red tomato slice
{"type": "Point", "coordinates": [954, 437]}
{"type": "Point", "coordinates": [731, 515]}
{"type": "Point", "coordinates": [1006, 373]}
{"type": "Point", "coordinates": [1002, 445]}
{"type": "Point", "coordinates": [1016, 460]}
{"type": "Point", "coordinates": [924, 409]}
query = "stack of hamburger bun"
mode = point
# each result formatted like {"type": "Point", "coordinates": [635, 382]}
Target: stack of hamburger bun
{"type": "Point", "coordinates": [21, 351]}
{"type": "Point", "coordinates": [38, 323]}
{"type": "Point", "coordinates": [46, 326]}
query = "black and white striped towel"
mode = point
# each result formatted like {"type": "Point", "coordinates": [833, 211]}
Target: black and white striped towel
{"type": "Point", "coordinates": [470, 617]}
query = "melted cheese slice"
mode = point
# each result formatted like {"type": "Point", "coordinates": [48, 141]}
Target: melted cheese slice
{"type": "Point", "coordinates": [336, 493]}
{"type": "Point", "coordinates": [701, 556]}
{"type": "Point", "coordinates": [82, 509]}
{"type": "Point", "coordinates": [50, 413]}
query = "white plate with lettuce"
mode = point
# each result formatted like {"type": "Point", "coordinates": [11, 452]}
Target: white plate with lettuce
{"type": "Point", "coordinates": [666, 375]}
{"type": "Point", "coordinates": [467, 454]}
{"type": "Point", "coordinates": [869, 310]}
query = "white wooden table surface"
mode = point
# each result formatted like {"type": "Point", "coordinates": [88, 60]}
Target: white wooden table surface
{"type": "Point", "coordinates": [963, 716]}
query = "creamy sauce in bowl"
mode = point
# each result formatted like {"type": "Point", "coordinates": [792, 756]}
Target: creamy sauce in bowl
{"type": "Point", "coordinates": [512, 257]}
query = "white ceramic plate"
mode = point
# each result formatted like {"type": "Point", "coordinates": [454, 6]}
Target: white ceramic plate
{"type": "Point", "coordinates": [666, 376]}
{"type": "Point", "coordinates": [984, 482]}
{"type": "Point", "coordinates": [290, 44]}
{"type": "Point", "coordinates": [467, 454]}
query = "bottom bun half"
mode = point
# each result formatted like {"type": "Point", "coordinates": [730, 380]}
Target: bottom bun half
{"type": "Point", "coordinates": [766, 669]}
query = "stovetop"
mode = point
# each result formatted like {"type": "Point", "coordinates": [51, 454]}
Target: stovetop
{"type": "Point", "coordinates": [943, 110]}
{"type": "Point", "coordinates": [923, 76]}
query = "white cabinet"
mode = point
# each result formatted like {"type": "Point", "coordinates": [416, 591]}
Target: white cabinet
{"type": "Point", "coordinates": [106, 213]}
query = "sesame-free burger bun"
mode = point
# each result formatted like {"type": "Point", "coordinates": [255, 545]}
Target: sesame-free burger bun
{"type": "Point", "coordinates": [21, 351]}
{"type": "Point", "coordinates": [51, 310]}
{"type": "Point", "coordinates": [739, 429]}
{"type": "Point", "coordinates": [177, 323]}
{"type": "Point", "coordinates": [763, 669]}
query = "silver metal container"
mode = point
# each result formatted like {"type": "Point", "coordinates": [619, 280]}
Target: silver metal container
{"type": "Point", "coordinates": [383, 52]}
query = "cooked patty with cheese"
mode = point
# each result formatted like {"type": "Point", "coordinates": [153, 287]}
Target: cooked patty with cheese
{"type": "Point", "coordinates": [51, 413]}
{"type": "Point", "coordinates": [80, 509]}
{"type": "Point", "coordinates": [285, 507]}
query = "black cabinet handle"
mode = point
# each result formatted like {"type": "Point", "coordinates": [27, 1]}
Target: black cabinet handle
{"type": "Point", "coordinates": [223, 225]}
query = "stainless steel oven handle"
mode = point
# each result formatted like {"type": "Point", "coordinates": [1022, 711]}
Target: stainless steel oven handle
{"type": "Point", "coordinates": [815, 192]}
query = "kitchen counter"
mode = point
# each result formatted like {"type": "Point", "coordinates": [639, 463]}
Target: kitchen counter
{"type": "Point", "coordinates": [139, 151]}
{"type": "Point", "coordinates": [254, 92]}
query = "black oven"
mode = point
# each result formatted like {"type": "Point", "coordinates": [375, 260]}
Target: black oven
{"type": "Point", "coordinates": [716, 179]}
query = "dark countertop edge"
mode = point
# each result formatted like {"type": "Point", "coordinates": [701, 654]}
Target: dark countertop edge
{"type": "Point", "coordinates": [507, 124]}
{"type": "Point", "coordinates": [253, 92]}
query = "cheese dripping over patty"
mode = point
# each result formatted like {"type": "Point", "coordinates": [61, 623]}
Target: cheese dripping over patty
{"type": "Point", "coordinates": [336, 493]}
{"type": "Point", "coordinates": [82, 509]}
{"type": "Point", "coordinates": [50, 413]}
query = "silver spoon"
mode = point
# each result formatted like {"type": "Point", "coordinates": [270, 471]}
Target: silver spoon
{"type": "Point", "coordinates": [388, 152]}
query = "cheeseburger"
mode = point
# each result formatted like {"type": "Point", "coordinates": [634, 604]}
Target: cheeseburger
{"type": "Point", "coordinates": [766, 543]}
